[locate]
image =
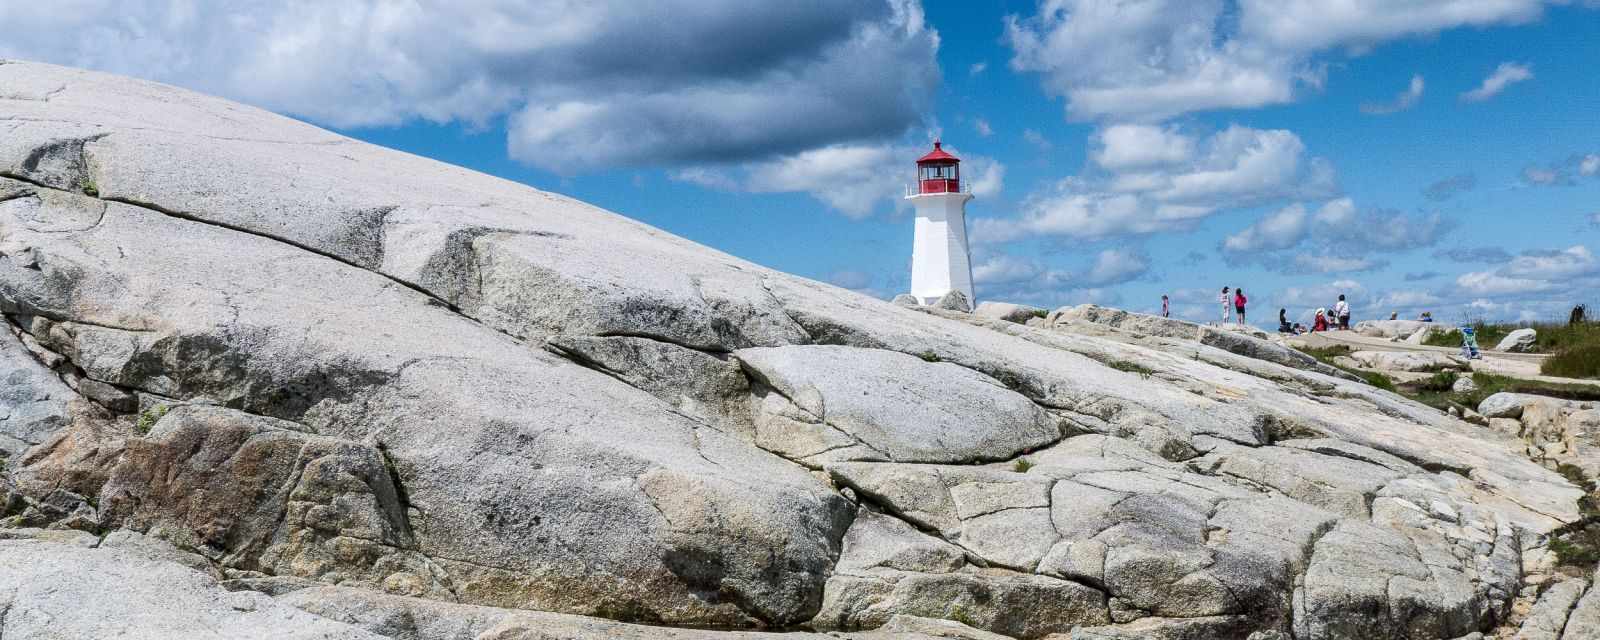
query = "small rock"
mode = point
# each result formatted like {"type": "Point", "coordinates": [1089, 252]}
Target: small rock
{"type": "Point", "coordinates": [906, 300]}
{"type": "Point", "coordinates": [1018, 313]}
{"type": "Point", "coordinates": [1464, 384]}
{"type": "Point", "coordinates": [954, 301]}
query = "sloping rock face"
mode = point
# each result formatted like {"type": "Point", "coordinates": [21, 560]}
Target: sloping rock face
{"type": "Point", "coordinates": [302, 360]}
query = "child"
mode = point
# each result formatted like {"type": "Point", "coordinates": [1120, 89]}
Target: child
{"type": "Point", "coordinates": [1227, 304]}
{"type": "Point", "coordinates": [1469, 343]}
{"type": "Point", "coordinates": [1238, 304]}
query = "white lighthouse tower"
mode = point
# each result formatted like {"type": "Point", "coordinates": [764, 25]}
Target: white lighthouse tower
{"type": "Point", "coordinates": [939, 259]}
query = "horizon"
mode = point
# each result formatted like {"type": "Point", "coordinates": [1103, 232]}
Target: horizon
{"type": "Point", "coordinates": [1443, 158]}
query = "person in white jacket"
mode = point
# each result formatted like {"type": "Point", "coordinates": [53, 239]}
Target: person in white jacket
{"type": "Point", "coordinates": [1226, 300]}
{"type": "Point", "coordinates": [1341, 310]}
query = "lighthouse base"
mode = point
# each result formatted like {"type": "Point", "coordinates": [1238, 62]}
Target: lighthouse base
{"type": "Point", "coordinates": [939, 259]}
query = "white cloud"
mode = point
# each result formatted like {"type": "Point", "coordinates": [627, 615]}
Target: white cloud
{"type": "Point", "coordinates": [1570, 269]}
{"type": "Point", "coordinates": [1567, 263]}
{"type": "Point", "coordinates": [977, 68]}
{"type": "Point", "coordinates": [1001, 276]}
{"type": "Point", "coordinates": [1405, 100]}
{"type": "Point", "coordinates": [1589, 165]}
{"type": "Point", "coordinates": [1312, 297]}
{"type": "Point", "coordinates": [1129, 146]}
{"type": "Point", "coordinates": [1336, 238]}
{"type": "Point", "coordinates": [1155, 59]}
{"type": "Point", "coordinates": [1005, 269]}
{"type": "Point", "coordinates": [858, 281]}
{"type": "Point", "coordinates": [583, 85]}
{"type": "Point", "coordinates": [1116, 266]}
{"type": "Point", "coordinates": [1484, 283]}
{"type": "Point", "coordinates": [1505, 75]}
{"type": "Point", "coordinates": [1542, 176]}
{"type": "Point", "coordinates": [1278, 230]}
{"type": "Point", "coordinates": [982, 127]}
{"type": "Point", "coordinates": [1235, 167]}
{"type": "Point", "coordinates": [854, 179]}
{"type": "Point", "coordinates": [1036, 139]}
{"type": "Point", "coordinates": [1320, 263]}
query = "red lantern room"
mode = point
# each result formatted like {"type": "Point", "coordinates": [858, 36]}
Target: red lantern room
{"type": "Point", "coordinates": [938, 172]}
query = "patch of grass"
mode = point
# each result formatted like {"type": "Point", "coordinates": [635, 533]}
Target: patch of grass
{"type": "Point", "coordinates": [1578, 548]}
{"type": "Point", "coordinates": [1021, 465]}
{"type": "Point", "coordinates": [1328, 353]}
{"type": "Point", "coordinates": [1325, 355]}
{"type": "Point", "coordinates": [929, 356]}
{"type": "Point", "coordinates": [90, 188]}
{"type": "Point", "coordinates": [1581, 361]}
{"type": "Point", "coordinates": [1040, 313]}
{"type": "Point", "coordinates": [1375, 379]}
{"type": "Point", "coordinates": [959, 614]}
{"type": "Point", "coordinates": [149, 418]}
{"type": "Point", "coordinates": [1587, 505]}
{"type": "Point", "coordinates": [1442, 381]}
{"type": "Point", "coordinates": [1552, 337]}
{"type": "Point", "coordinates": [1132, 367]}
{"type": "Point", "coordinates": [1490, 384]}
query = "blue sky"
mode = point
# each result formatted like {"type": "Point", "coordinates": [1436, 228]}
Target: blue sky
{"type": "Point", "coordinates": [1437, 155]}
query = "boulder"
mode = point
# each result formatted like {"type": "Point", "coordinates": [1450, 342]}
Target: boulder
{"type": "Point", "coordinates": [1390, 328]}
{"type": "Point", "coordinates": [907, 300]}
{"type": "Point", "coordinates": [1519, 341]}
{"type": "Point", "coordinates": [1419, 336]}
{"type": "Point", "coordinates": [1018, 313]}
{"type": "Point", "coordinates": [953, 301]}
{"type": "Point", "coordinates": [1464, 385]}
{"type": "Point", "coordinates": [63, 591]}
{"type": "Point", "coordinates": [833, 403]}
{"type": "Point", "coordinates": [1416, 361]}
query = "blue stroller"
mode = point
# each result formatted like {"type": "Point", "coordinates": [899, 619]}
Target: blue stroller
{"type": "Point", "coordinates": [1469, 343]}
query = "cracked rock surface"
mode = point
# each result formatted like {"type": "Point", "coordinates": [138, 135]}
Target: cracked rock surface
{"type": "Point", "coordinates": [330, 390]}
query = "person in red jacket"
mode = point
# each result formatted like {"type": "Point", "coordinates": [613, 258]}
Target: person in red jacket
{"type": "Point", "coordinates": [1238, 304]}
{"type": "Point", "coordinates": [1321, 321]}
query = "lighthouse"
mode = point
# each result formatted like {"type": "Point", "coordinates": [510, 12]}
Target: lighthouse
{"type": "Point", "coordinates": [939, 260]}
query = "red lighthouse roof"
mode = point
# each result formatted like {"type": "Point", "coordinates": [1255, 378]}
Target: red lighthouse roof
{"type": "Point", "coordinates": [937, 155]}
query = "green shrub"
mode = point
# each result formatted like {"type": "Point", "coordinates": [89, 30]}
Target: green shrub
{"type": "Point", "coordinates": [1442, 381]}
{"type": "Point", "coordinates": [1581, 361]}
{"type": "Point", "coordinates": [1021, 465]}
{"type": "Point", "coordinates": [929, 356]}
{"type": "Point", "coordinates": [1377, 380]}
{"type": "Point", "coordinates": [1040, 313]}
{"type": "Point", "coordinates": [1578, 548]}
{"type": "Point", "coordinates": [149, 418]}
{"type": "Point", "coordinates": [1327, 354]}
{"type": "Point", "coordinates": [1447, 338]}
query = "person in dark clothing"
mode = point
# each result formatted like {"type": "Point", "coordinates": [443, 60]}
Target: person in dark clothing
{"type": "Point", "coordinates": [1166, 309]}
{"type": "Point", "coordinates": [1283, 322]}
{"type": "Point", "coordinates": [1238, 304]}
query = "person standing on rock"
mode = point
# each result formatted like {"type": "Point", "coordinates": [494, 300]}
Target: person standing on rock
{"type": "Point", "coordinates": [1166, 308]}
{"type": "Point", "coordinates": [1341, 309]}
{"type": "Point", "coordinates": [1238, 304]}
{"type": "Point", "coordinates": [1227, 304]}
